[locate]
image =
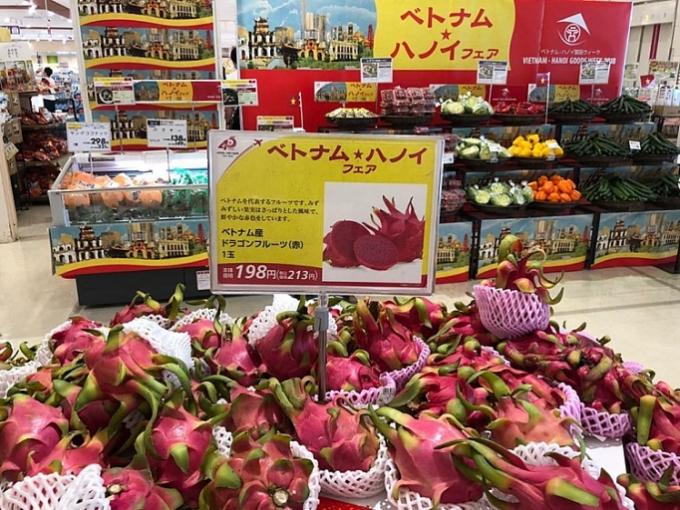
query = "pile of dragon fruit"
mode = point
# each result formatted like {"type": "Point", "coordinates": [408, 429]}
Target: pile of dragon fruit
{"type": "Point", "coordinates": [174, 406]}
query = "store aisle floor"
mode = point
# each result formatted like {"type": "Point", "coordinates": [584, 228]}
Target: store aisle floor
{"type": "Point", "coordinates": [637, 307]}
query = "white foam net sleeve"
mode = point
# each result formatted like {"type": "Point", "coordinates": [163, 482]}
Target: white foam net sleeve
{"type": "Point", "coordinates": [223, 438]}
{"type": "Point", "coordinates": [56, 492]}
{"type": "Point", "coordinates": [201, 314]}
{"type": "Point", "coordinates": [301, 452]}
{"type": "Point", "coordinates": [177, 345]}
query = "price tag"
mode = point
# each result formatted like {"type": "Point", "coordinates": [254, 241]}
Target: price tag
{"type": "Point", "coordinates": [634, 145]}
{"type": "Point", "coordinates": [203, 280]}
{"type": "Point", "coordinates": [448, 158]}
{"type": "Point", "coordinates": [167, 133]}
{"type": "Point", "coordinates": [10, 150]}
{"type": "Point", "coordinates": [88, 136]}
{"type": "Point", "coordinates": [552, 145]}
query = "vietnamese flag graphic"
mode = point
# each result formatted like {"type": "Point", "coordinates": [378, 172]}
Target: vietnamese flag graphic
{"type": "Point", "coordinates": [647, 81]}
{"type": "Point", "coordinates": [542, 79]}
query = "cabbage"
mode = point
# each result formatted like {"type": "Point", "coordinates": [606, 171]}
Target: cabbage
{"type": "Point", "coordinates": [501, 200]}
{"type": "Point", "coordinates": [452, 108]}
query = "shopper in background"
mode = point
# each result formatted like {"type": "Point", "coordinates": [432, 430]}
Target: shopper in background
{"type": "Point", "coordinates": [47, 78]}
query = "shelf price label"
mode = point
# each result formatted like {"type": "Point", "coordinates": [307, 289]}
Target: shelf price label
{"type": "Point", "coordinates": [88, 136]}
{"type": "Point", "coordinates": [167, 133]}
{"type": "Point", "coordinates": [634, 145]}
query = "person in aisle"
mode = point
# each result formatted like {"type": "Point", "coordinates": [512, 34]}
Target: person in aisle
{"type": "Point", "coordinates": [47, 80]}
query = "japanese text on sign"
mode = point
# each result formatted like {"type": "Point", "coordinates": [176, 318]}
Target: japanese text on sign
{"type": "Point", "coordinates": [88, 136]}
{"type": "Point", "coordinates": [166, 133]}
{"type": "Point", "coordinates": [441, 36]}
{"type": "Point", "coordinates": [275, 233]}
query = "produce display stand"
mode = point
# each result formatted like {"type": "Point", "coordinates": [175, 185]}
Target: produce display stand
{"type": "Point", "coordinates": [115, 240]}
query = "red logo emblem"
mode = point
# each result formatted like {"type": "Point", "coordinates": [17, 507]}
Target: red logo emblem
{"type": "Point", "coordinates": [229, 143]}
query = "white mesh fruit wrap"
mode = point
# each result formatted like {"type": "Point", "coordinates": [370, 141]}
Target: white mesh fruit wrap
{"type": "Point", "coordinates": [55, 492]}
{"type": "Point", "coordinates": [409, 500]}
{"type": "Point", "coordinates": [177, 345]}
{"type": "Point", "coordinates": [266, 319]}
{"type": "Point", "coordinates": [649, 466]}
{"type": "Point", "coordinates": [603, 424]}
{"type": "Point", "coordinates": [158, 319]}
{"type": "Point", "coordinates": [401, 377]}
{"type": "Point", "coordinates": [380, 396]}
{"type": "Point", "coordinates": [9, 378]}
{"type": "Point", "coordinates": [357, 484]}
{"type": "Point", "coordinates": [301, 452]}
{"type": "Point", "coordinates": [572, 406]}
{"type": "Point", "coordinates": [535, 454]}
{"type": "Point", "coordinates": [509, 313]}
{"type": "Point", "coordinates": [202, 314]}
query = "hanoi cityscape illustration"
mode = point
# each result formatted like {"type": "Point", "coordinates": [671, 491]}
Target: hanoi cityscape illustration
{"type": "Point", "coordinates": [330, 38]}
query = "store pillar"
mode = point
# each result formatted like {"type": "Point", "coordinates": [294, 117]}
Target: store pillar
{"type": "Point", "coordinates": [8, 215]}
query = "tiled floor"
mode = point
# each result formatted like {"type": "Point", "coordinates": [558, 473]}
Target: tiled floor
{"type": "Point", "coordinates": [637, 307]}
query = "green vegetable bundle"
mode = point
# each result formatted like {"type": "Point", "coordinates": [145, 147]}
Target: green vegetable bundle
{"type": "Point", "coordinates": [625, 104]}
{"type": "Point", "coordinates": [654, 143]}
{"type": "Point", "coordinates": [573, 107]}
{"type": "Point", "coordinates": [666, 186]}
{"type": "Point", "coordinates": [614, 187]}
{"type": "Point", "coordinates": [596, 144]}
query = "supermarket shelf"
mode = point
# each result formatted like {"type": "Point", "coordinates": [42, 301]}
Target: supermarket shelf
{"type": "Point", "coordinates": [40, 127]}
{"type": "Point", "coordinates": [60, 161]}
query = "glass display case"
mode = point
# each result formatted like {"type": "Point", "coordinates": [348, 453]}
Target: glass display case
{"type": "Point", "coordinates": [127, 222]}
{"type": "Point", "coordinates": [129, 187]}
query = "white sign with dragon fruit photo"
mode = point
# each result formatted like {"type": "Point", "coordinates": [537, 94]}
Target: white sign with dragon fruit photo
{"type": "Point", "coordinates": [304, 213]}
{"type": "Point", "coordinates": [374, 232]}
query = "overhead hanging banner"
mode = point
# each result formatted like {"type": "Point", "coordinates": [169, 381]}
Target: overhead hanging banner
{"type": "Point", "coordinates": [303, 213]}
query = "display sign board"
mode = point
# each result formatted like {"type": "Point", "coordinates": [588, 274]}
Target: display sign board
{"type": "Point", "coordinates": [114, 91]}
{"type": "Point", "coordinates": [345, 92]}
{"type": "Point", "coordinates": [492, 72]}
{"type": "Point", "coordinates": [288, 212]}
{"type": "Point", "coordinates": [239, 93]}
{"type": "Point", "coordinates": [664, 69]}
{"type": "Point", "coordinates": [167, 133]}
{"type": "Point", "coordinates": [14, 51]}
{"type": "Point", "coordinates": [275, 123]}
{"type": "Point", "coordinates": [88, 136]}
{"type": "Point", "coordinates": [376, 70]}
{"type": "Point", "coordinates": [177, 91]}
{"type": "Point", "coordinates": [594, 72]}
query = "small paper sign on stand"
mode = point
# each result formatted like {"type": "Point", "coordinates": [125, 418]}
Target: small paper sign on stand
{"type": "Point", "coordinates": [307, 237]}
{"type": "Point", "coordinates": [167, 134]}
{"type": "Point", "coordinates": [492, 72]}
{"type": "Point", "coordinates": [88, 137]}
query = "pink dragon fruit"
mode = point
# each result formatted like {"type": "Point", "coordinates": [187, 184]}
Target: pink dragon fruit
{"type": "Point", "coordinates": [421, 316]}
{"type": "Point", "coordinates": [521, 422]}
{"type": "Point", "coordinates": [72, 454]}
{"type": "Point", "coordinates": [134, 489]}
{"type": "Point", "coordinates": [340, 439]}
{"type": "Point", "coordinates": [432, 392]}
{"type": "Point", "coordinates": [29, 432]}
{"type": "Point", "coordinates": [423, 468]}
{"type": "Point", "coordinates": [564, 486]}
{"type": "Point", "coordinates": [353, 373]}
{"type": "Point", "coordinates": [290, 348]}
{"type": "Point", "coordinates": [389, 344]}
{"type": "Point", "coordinates": [259, 475]}
{"type": "Point", "coordinates": [175, 447]}
{"type": "Point", "coordinates": [254, 411]}
{"type": "Point", "coordinates": [339, 249]}
{"type": "Point", "coordinates": [455, 355]}
{"type": "Point", "coordinates": [93, 417]}
{"type": "Point", "coordinates": [651, 495]}
{"type": "Point", "coordinates": [149, 306]}
{"type": "Point", "coordinates": [236, 358]}
{"type": "Point", "coordinates": [404, 229]}
{"type": "Point", "coordinates": [72, 342]}
{"type": "Point", "coordinates": [203, 335]}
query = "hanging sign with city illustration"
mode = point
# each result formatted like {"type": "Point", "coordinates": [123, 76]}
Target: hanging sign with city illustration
{"type": "Point", "coordinates": [239, 93]}
{"type": "Point", "coordinates": [177, 91]}
{"type": "Point", "coordinates": [116, 91]}
{"type": "Point", "coordinates": [150, 41]}
{"type": "Point", "coordinates": [345, 92]}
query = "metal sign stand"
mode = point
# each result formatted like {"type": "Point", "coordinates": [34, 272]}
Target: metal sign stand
{"type": "Point", "coordinates": [321, 324]}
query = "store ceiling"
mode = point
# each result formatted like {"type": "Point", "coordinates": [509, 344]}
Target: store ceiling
{"type": "Point", "coordinates": [38, 19]}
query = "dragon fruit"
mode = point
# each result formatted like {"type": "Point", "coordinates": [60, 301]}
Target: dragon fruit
{"type": "Point", "coordinates": [521, 422]}
{"type": "Point", "coordinates": [70, 343]}
{"type": "Point", "coordinates": [432, 392]}
{"type": "Point", "coordinates": [175, 447]}
{"type": "Point", "coordinates": [404, 229]}
{"type": "Point", "coordinates": [259, 476]}
{"type": "Point", "coordinates": [93, 417]}
{"type": "Point", "coordinates": [462, 323]}
{"type": "Point", "coordinates": [290, 348]}
{"type": "Point", "coordinates": [236, 358]}
{"type": "Point", "coordinates": [353, 373]}
{"type": "Point", "coordinates": [149, 306]}
{"type": "Point", "coordinates": [254, 411]}
{"type": "Point", "coordinates": [128, 370]}
{"type": "Point", "coordinates": [389, 344]}
{"type": "Point", "coordinates": [339, 241]}
{"type": "Point", "coordinates": [29, 432]}
{"type": "Point", "coordinates": [651, 495]}
{"type": "Point", "coordinates": [134, 489]}
{"type": "Point", "coordinates": [423, 468]}
{"type": "Point", "coordinates": [564, 486]}
{"type": "Point", "coordinates": [72, 454]}
{"type": "Point", "coordinates": [339, 438]}
{"type": "Point", "coordinates": [422, 316]}
{"type": "Point", "coordinates": [203, 335]}
{"type": "Point", "coordinates": [658, 423]}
